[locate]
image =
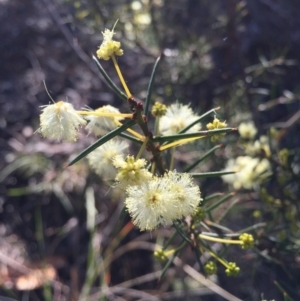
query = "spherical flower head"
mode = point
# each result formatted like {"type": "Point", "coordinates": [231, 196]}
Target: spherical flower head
{"type": "Point", "coordinates": [248, 241]}
{"type": "Point", "coordinates": [161, 200]}
{"type": "Point", "coordinates": [216, 124]}
{"type": "Point", "coordinates": [101, 159]}
{"type": "Point", "coordinates": [186, 194]}
{"type": "Point", "coordinates": [247, 130]}
{"type": "Point", "coordinates": [109, 47]}
{"type": "Point", "coordinates": [150, 204]}
{"type": "Point", "coordinates": [130, 171]}
{"type": "Point", "coordinates": [233, 270]}
{"type": "Point", "coordinates": [60, 121]}
{"type": "Point", "coordinates": [101, 125]}
{"type": "Point", "coordinates": [178, 117]}
{"type": "Point", "coordinates": [210, 268]}
{"type": "Point", "coordinates": [246, 175]}
{"type": "Point", "coordinates": [249, 171]}
{"type": "Point", "coordinates": [159, 109]}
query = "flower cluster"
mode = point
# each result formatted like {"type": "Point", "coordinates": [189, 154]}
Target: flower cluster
{"type": "Point", "coordinates": [210, 268]}
{"type": "Point", "coordinates": [247, 130]}
{"type": "Point", "coordinates": [101, 125]}
{"type": "Point", "coordinates": [232, 270]}
{"type": "Point", "coordinates": [151, 200]}
{"type": "Point", "coordinates": [247, 241]}
{"type": "Point", "coordinates": [109, 47]}
{"type": "Point", "coordinates": [160, 255]}
{"type": "Point", "coordinates": [131, 171]}
{"type": "Point", "coordinates": [248, 171]}
{"type": "Point", "coordinates": [161, 200]}
{"type": "Point", "coordinates": [155, 194]}
{"type": "Point", "coordinates": [159, 109]}
{"type": "Point", "coordinates": [216, 124]}
{"type": "Point", "coordinates": [101, 159]}
{"type": "Point", "coordinates": [254, 167]}
{"type": "Point", "coordinates": [60, 121]}
{"type": "Point", "coordinates": [176, 118]}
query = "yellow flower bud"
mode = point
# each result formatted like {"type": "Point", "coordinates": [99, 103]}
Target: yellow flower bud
{"type": "Point", "coordinates": [247, 241]}
{"type": "Point", "coordinates": [216, 124]}
{"type": "Point", "coordinates": [109, 47]}
{"type": "Point", "coordinates": [159, 109]}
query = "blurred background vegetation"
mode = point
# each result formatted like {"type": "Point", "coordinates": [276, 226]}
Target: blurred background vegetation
{"type": "Point", "coordinates": [240, 55]}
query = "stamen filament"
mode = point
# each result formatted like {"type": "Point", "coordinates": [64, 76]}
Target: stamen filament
{"type": "Point", "coordinates": [121, 76]}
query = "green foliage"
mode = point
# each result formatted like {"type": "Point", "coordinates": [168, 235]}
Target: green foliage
{"type": "Point", "coordinates": [263, 165]}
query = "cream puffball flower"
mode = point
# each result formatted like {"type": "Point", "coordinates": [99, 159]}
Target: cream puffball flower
{"type": "Point", "coordinates": [247, 130]}
{"type": "Point", "coordinates": [187, 195]}
{"type": "Point", "coordinates": [177, 117]}
{"type": "Point", "coordinates": [101, 158]}
{"type": "Point", "coordinates": [109, 47]}
{"type": "Point", "coordinates": [60, 121]}
{"type": "Point", "coordinates": [258, 147]}
{"type": "Point", "coordinates": [150, 204]}
{"type": "Point", "coordinates": [101, 125]}
{"type": "Point", "coordinates": [130, 171]}
{"type": "Point", "coordinates": [249, 171]}
{"type": "Point", "coordinates": [162, 200]}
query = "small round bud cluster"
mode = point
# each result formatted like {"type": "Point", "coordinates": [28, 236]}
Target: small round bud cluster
{"type": "Point", "coordinates": [248, 241]}
{"type": "Point", "coordinates": [131, 171]}
{"type": "Point", "coordinates": [109, 47]}
{"type": "Point", "coordinates": [233, 270]}
{"type": "Point", "coordinates": [160, 255]}
{"type": "Point", "coordinates": [199, 215]}
{"type": "Point", "coordinates": [216, 124]}
{"type": "Point", "coordinates": [257, 214]}
{"type": "Point", "coordinates": [159, 109]}
{"type": "Point", "coordinates": [210, 268]}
